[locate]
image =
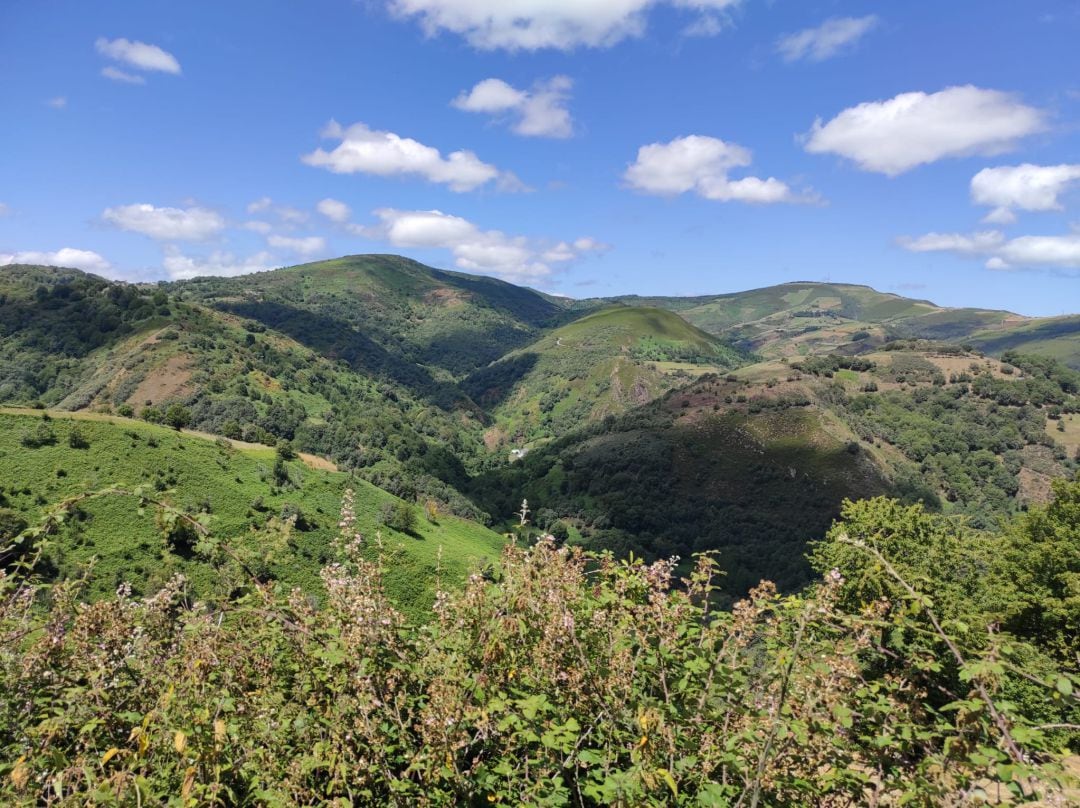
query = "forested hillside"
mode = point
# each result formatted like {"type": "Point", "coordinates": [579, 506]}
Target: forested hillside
{"type": "Point", "coordinates": [625, 426]}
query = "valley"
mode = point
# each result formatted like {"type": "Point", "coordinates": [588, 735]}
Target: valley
{"type": "Point", "coordinates": [735, 424]}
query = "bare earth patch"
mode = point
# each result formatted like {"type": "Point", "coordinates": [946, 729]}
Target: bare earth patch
{"type": "Point", "coordinates": [167, 381]}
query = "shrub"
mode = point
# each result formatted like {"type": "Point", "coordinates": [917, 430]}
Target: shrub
{"type": "Point", "coordinates": [561, 679]}
{"type": "Point", "coordinates": [12, 523]}
{"type": "Point", "coordinates": [40, 435]}
{"type": "Point", "coordinates": [399, 516]}
{"type": "Point", "coordinates": [76, 438]}
{"type": "Point", "coordinates": [151, 415]}
{"type": "Point", "coordinates": [178, 416]}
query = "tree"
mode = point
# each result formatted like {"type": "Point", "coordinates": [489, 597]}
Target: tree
{"type": "Point", "coordinates": [151, 415]}
{"type": "Point", "coordinates": [76, 439]}
{"type": "Point", "coordinates": [285, 450]}
{"type": "Point", "coordinates": [399, 516]}
{"type": "Point", "coordinates": [178, 416]}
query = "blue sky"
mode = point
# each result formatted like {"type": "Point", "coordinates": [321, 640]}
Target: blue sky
{"type": "Point", "coordinates": [584, 147]}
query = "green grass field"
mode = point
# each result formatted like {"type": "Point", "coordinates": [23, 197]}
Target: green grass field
{"type": "Point", "coordinates": [238, 487]}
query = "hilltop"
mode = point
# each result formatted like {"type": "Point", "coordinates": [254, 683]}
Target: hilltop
{"type": "Point", "coordinates": [801, 318]}
{"type": "Point", "coordinates": [604, 363]}
{"type": "Point", "coordinates": [386, 314]}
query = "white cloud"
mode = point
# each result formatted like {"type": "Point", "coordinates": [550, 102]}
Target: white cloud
{"type": "Point", "coordinates": [540, 112]}
{"type": "Point", "coordinates": [307, 245]}
{"type": "Point", "coordinates": [181, 267]}
{"type": "Point", "coordinates": [706, 25]}
{"type": "Point", "coordinates": [334, 210]}
{"type": "Point", "coordinates": [1025, 252]}
{"type": "Point", "coordinates": [116, 74]}
{"type": "Point", "coordinates": [166, 224]}
{"type": "Point", "coordinates": [257, 226]}
{"type": "Point", "coordinates": [259, 205]}
{"type": "Point", "coordinates": [385, 154]}
{"type": "Point", "coordinates": [292, 216]}
{"type": "Point", "coordinates": [911, 129]}
{"type": "Point", "coordinates": [86, 260]}
{"type": "Point", "coordinates": [1034, 251]}
{"type": "Point", "coordinates": [967, 244]}
{"type": "Point", "coordinates": [701, 164]}
{"type": "Point", "coordinates": [490, 252]}
{"type": "Point", "coordinates": [138, 55]}
{"type": "Point", "coordinates": [535, 24]}
{"type": "Point", "coordinates": [4, 210]}
{"type": "Point", "coordinates": [1027, 187]}
{"type": "Point", "coordinates": [826, 40]}
{"type": "Point", "coordinates": [59, 102]}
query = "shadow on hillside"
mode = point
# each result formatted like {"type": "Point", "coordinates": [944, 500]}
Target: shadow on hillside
{"type": "Point", "coordinates": [491, 385]}
{"type": "Point", "coordinates": [660, 489]}
{"type": "Point", "coordinates": [525, 304]}
{"type": "Point", "coordinates": [336, 339]}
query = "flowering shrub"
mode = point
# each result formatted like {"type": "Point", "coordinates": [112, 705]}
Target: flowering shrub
{"type": "Point", "coordinates": [562, 679]}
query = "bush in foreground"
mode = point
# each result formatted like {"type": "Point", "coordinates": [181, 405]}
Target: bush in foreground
{"type": "Point", "coordinates": [562, 679]}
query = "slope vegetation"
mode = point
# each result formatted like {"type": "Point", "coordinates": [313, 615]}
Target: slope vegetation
{"type": "Point", "coordinates": [602, 364]}
{"type": "Point", "coordinates": [387, 314]}
{"type": "Point", "coordinates": [282, 516]}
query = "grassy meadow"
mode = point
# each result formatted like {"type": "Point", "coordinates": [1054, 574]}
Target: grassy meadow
{"type": "Point", "coordinates": [236, 487]}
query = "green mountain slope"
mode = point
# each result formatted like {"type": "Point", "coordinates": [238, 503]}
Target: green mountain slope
{"type": "Point", "coordinates": [240, 491]}
{"type": "Point", "coordinates": [757, 462]}
{"type": "Point", "coordinates": [1057, 337]}
{"type": "Point", "coordinates": [388, 314]}
{"type": "Point", "coordinates": [237, 377]}
{"type": "Point", "coordinates": [51, 319]}
{"type": "Point", "coordinates": [806, 318]}
{"type": "Point", "coordinates": [602, 364]}
{"type": "Point", "coordinates": [679, 476]}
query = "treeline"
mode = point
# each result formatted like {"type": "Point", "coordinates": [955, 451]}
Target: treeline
{"type": "Point", "coordinates": [51, 318]}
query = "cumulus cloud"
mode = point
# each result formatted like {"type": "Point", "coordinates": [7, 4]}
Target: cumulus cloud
{"type": "Point", "coordinates": [334, 210]}
{"type": "Point", "coordinates": [912, 129]}
{"type": "Point", "coordinates": [1033, 251]}
{"type": "Point", "coordinates": [218, 263]}
{"type": "Point", "coordinates": [368, 151]}
{"type": "Point", "coordinates": [166, 224]}
{"type": "Point", "coordinates": [489, 252]}
{"type": "Point", "coordinates": [539, 112]}
{"type": "Point", "coordinates": [306, 245]}
{"type": "Point", "coordinates": [1024, 252]}
{"type": "Point", "coordinates": [532, 25]}
{"type": "Point", "coordinates": [701, 164]}
{"type": "Point", "coordinates": [1024, 187]}
{"type": "Point", "coordinates": [826, 40]}
{"type": "Point", "coordinates": [86, 260]}
{"type": "Point", "coordinates": [138, 55]}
